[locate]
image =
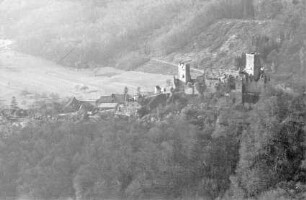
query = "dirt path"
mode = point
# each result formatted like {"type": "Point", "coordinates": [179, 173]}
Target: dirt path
{"type": "Point", "coordinates": [175, 65]}
{"type": "Point", "coordinates": [22, 75]}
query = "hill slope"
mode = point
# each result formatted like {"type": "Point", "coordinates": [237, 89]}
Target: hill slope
{"type": "Point", "coordinates": [128, 34]}
{"type": "Point", "coordinates": [122, 33]}
{"type": "Point", "coordinates": [220, 43]}
{"type": "Point", "coordinates": [28, 77]}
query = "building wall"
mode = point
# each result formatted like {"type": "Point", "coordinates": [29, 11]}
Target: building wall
{"type": "Point", "coordinates": [184, 72]}
{"type": "Point", "coordinates": [251, 90]}
{"type": "Point", "coordinates": [238, 84]}
{"type": "Point", "coordinates": [190, 90]}
{"type": "Point", "coordinates": [211, 84]}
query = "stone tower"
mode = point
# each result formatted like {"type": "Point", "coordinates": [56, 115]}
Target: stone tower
{"type": "Point", "coordinates": [249, 66]}
{"type": "Point", "coordinates": [184, 72]}
{"type": "Point", "coordinates": [253, 65]}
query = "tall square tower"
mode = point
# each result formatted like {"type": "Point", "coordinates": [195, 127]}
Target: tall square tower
{"type": "Point", "coordinates": [250, 64]}
{"type": "Point", "coordinates": [253, 65]}
{"type": "Point", "coordinates": [184, 72]}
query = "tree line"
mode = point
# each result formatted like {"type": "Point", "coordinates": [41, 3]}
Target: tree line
{"type": "Point", "coordinates": [193, 150]}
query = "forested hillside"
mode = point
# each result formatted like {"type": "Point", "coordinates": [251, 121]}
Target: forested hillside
{"type": "Point", "coordinates": [195, 151]}
{"type": "Point", "coordinates": [126, 34]}
{"type": "Point", "coordinates": [205, 147]}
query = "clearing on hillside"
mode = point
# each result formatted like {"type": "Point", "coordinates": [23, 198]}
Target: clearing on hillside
{"type": "Point", "coordinates": [25, 76]}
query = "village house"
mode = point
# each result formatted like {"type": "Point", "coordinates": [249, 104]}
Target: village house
{"type": "Point", "coordinates": [108, 106]}
{"type": "Point", "coordinates": [120, 104]}
{"type": "Point", "coordinates": [113, 98]}
{"type": "Point", "coordinates": [129, 109]}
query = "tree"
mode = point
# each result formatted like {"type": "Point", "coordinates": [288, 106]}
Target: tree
{"type": "Point", "coordinates": [269, 9]}
{"type": "Point", "coordinates": [248, 9]}
{"type": "Point", "coordinates": [200, 88]}
{"type": "Point", "coordinates": [271, 148]}
{"type": "Point", "coordinates": [169, 83]}
{"type": "Point", "coordinates": [138, 91]}
{"type": "Point", "coordinates": [14, 105]}
{"type": "Point", "coordinates": [125, 93]}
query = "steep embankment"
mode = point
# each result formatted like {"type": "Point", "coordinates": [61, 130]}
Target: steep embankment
{"type": "Point", "coordinates": [215, 47]}
{"type": "Point", "coordinates": [221, 42]}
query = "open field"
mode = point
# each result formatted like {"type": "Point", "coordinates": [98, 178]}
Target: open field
{"type": "Point", "coordinates": [23, 76]}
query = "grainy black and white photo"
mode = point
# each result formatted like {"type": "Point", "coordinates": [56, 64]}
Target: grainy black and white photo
{"type": "Point", "coordinates": [152, 99]}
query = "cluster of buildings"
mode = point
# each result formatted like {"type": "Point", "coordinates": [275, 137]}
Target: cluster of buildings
{"type": "Point", "coordinates": [208, 81]}
{"type": "Point", "coordinates": [120, 104]}
{"type": "Point", "coordinates": [243, 86]}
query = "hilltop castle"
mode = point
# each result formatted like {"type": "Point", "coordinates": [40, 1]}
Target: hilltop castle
{"type": "Point", "coordinates": [244, 84]}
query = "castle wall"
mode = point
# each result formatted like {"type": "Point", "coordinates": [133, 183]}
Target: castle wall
{"type": "Point", "coordinates": [211, 84]}
{"type": "Point", "coordinates": [184, 72]}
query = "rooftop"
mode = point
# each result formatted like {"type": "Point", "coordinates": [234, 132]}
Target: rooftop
{"type": "Point", "coordinates": [108, 105]}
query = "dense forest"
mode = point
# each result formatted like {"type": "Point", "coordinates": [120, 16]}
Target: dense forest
{"type": "Point", "coordinates": [199, 148]}
{"type": "Point", "coordinates": [196, 148]}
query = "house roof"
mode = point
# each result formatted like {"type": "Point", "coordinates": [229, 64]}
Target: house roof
{"type": "Point", "coordinates": [108, 105]}
{"type": "Point", "coordinates": [114, 98]}
{"type": "Point", "coordinates": [129, 109]}
{"type": "Point", "coordinates": [72, 102]}
{"type": "Point", "coordinates": [119, 98]}
{"type": "Point", "coordinates": [89, 102]}
{"type": "Point", "coordinates": [105, 99]}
